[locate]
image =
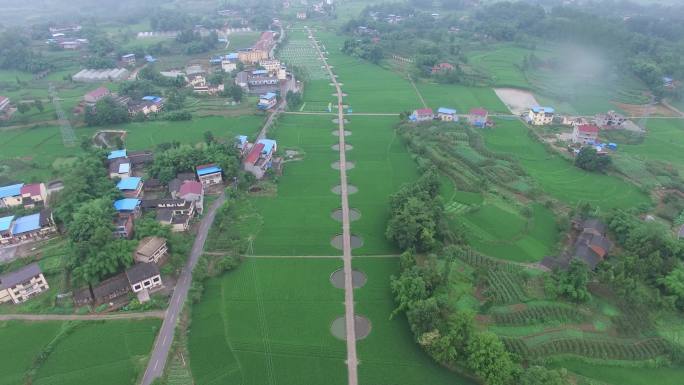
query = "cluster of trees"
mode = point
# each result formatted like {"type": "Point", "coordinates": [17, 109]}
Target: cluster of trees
{"type": "Point", "coordinates": [570, 283]}
{"type": "Point", "coordinates": [16, 54]}
{"type": "Point", "coordinates": [450, 335]}
{"type": "Point", "coordinates": [179, 158]}
{"type": "Point", "coordinates": [417, 220]}
{"type": "Point", "coordinates": [24, 107]}
{"type": "Point", "coordinates": [589, 159]}
{"type": "Point", "coordinates": [364, 49]}
{"type": "Point", "coordinates": [196, 43]}
{"type": "Point", "coordinates": [649, 269]}
{"type": "Point", "coordinates": [293, 99]}
{"type": "Point", "coordinates": [105, 112]}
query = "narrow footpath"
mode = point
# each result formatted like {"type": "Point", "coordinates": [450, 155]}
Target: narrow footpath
{"type": "Point", "coordinates": [162, 345]}
{"type": "Point", "coordinates": [84, 317]}
{"type": "Point", "coordinates": [352, 361]}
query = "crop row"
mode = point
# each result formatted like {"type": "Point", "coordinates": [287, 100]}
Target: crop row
{"type": "Point", "coordinates": [503, 287]}
{"type": "Point", "coordinates": [592, 348]}
{"type": "Point", "coordinates": [538, 314]}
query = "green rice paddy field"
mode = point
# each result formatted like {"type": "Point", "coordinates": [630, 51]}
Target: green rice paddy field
{"type": "Point", "coordinates": [268, 323]}
{"type": "Point", "coordinates": [297, 221]}
{"type": "Point", "coordinates": [664, 141]}
{"type": "Point", "coordinates": [618, 375]}
{"type": "Point", "coordinates": [107, 353]}
{"type": "Point", "coordinates": [558, 177]}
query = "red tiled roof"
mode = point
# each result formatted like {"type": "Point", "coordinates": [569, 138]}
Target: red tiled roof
{"type": "Point", "coordinates": [588, 128]}
{"type": "Point", "coordinates": [600, 251]}
{"type": "Point", "coordinates": [190, 187]}
{"type": "Point", "coordinates": [424, 111]}
{"type": "Point", "coordinates": [255, 153]}
{"type": "Point", "coordinates": [444, 66]}
{"type": "Point", "coordinates": [97, 93]}
{"type": "Point", "coordinates": [478, 112]}
{"type": "Point", "coordinates": [32, 189]}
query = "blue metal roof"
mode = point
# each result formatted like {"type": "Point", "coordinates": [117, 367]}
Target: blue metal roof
{"type": "Point", "coordinates": [128, 183]}
{"type": "Point", "coordinates": [538, 109]}
{"type": "Point", "coordinates": [268, 96]}
{"type": "Point", "coordinates": [11, 191]}
{"type": "Point", "coordinates": [26, 224]}
{"type": "Point", "coordinates": [208, 170]}
{"type": "Point", "coordinates": [444, 110]}
{"type": "Point", "coordinates": [268, 145]}
{"type": "Point", "coordinates": [241, 138]}
{"type": "Point", "coordinates": [152, 98]}
{"type": "Point", "coordinates": [232, 56]}
{"type": "Point", "coordinates": [259, 72]}
{"type": "Point", "coordinates": [117, 154]}
{"type": "Point", "coordinates": [6, 222]}
{"type": "Point", "coordinates": [128, 204]}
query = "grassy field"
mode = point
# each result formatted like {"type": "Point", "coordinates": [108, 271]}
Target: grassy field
{"type": "Point", "coordinates": [502, 64]}
{"type": "Point", "coordinates": [268, 323]}
{"type": "Point", "coordinates": [558, 177]}
{"type": "Point", "coordinates": [664, 141]}
{"type": "Point", "coordinates": [390, 355]}
{"type": "Point", "coordinates": [111, 352]}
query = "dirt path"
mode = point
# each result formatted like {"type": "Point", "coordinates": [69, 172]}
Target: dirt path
{"type": "Point", "coordinates": [420, 96]}
{"type": "Point", "coordinates": [352, 361]}
{"type": "Point", "coordinates": [84, 317]}
{"type": "Point", "coordinates": [335, 114]}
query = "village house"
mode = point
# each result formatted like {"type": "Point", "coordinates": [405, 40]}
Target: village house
{"type": "Point", "coordinates": [209, 174]}
{"type": "Point", "coordinates": [176, 183]}
{"type": "Point", "coordinates": [10, 196]}
{"type": "Point", "coordinates": [29, 227]}
{"type": "Point", "coordinates": [127, 206]}
{"type": "Point", "coordinates": [610, 120]}
{"type": "Point", "coordinates": [128, 59]}
{"type": "Point", "coordinates": [260, 51]}
{"type": "Point", "coordinates": [591, 245]}
{"type": "Point", "coordinates": [478, 117]}
{"type": "Point", "coordinates": [92, 97]}
{"type": "Point", "coordinates": [116, 154]}
{"type": "Point", "coordinates": [447, 114]}
{"type": "Point", "coordinates": [259, 158]}
{"type": "Point", "coordinates": [23, 284]}
{"type": "Point", "coordinates": [242, 144]}
{"type": "Point", "coordinates": [130, 187]}
{"type": "Point", "coordinates": [147, 105]}
{"type": "Point", "coordinates": [442, 67]}
{"type": "Point", "coordinates": [192, 191]}
{"type": "Point", "coordinates": [106, 292]}
{"type": "Point", "coordinates": [229, 62]}
{"type": "Point", "coordinates": [267, 101]}
{"type": "Point", "coordinates": [151, 250]}
{"type": "Point", "coordinates": [34, 194]}
{"type": "Point", "coordinates": [120, 168]}
{"type": "Point", "coordinates": [301, 15]}
{"type": "Point", "coordinates": [422, 115]}
{"type": "Point", "coordinates": [540, 116]}
{"type": "Point", "coordinates": [585, 134]}
{"type": "Point", "coordinates": [144, 276]}
{"type": "Point", "coordinates": [176, 213]}
{"type": "Point", "coordinates": [123, 226]}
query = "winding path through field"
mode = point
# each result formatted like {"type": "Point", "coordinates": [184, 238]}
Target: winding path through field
{"type": "Point", "coordinates": [162, 345]}
{"type": "Point", "coordinates": [352, 361]}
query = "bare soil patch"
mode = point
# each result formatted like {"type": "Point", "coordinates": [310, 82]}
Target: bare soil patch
{"type": "Point", "coordinates": [351, 189]}
{"type": "Point", "coordinates": [106, 137]}
{"type": "Point", "coordinates": [359, 279]}
{"type": "Point", "coordinates": [347, 147]}
{"type": "Point", "coordinates": [354, 215]}
{"type": "Point", "coordinates": [645, 109]}
{"type": "Point", "coordinates": [348, 165]}
{"type": "Point", "coordinates": [337, 242]}
{"type": "Point", "coordinates": [361, 324]}
{"type": "Point", "coordinates": [518, 101]}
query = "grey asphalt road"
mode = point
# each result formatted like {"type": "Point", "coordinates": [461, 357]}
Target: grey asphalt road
{"type": "Point", "coordinates": [162, 345]}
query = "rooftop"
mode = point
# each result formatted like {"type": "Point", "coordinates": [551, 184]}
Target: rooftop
{"type": "Point", "coordinates": [254, 153]}
{"type": "Point", "coordinates": [32, 189]}
{"type": "Point", "coordinates": [208, 169]}
{"type": "Point", "coordinates": [6, 222]}
{"type": "Point", "coordinates": [540, 109]}
{"type": "Point", "coordinates": [268, 96]}
{"type": "Point", "coordinates": [190, 187]}
{"type": "Point", "coordinates": [588, 128]}
{"type": "Point", "coordinates": [444, 110]}
{"type": "Point", "coordinates": [128, 204]}
{"type": "Point", "coordinates": [26, 224]}
{"type": "Point", "coordinates": [478, 112]}
{"type": "Point", "coordinates": [269, 144]}
{"type": "Point", "coordinates": [131, 183]}
{"type": "Point", "coordinates": [424, 111]}
{"type": "Point", "coordinates": [11, 191]}
{"type": "Point", "coordinates": [149, 245]}
{"type": "Point", "coordinates": [124, 168]}
{"type": "Point", "coordinates": [13, 278]}
{"type": "Point", "coordinates": [117, 154]}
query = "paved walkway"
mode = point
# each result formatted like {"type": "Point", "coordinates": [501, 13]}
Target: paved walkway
{"type": "Point", "coordinates": [162, 345]}
{"type": "Point", "coordinates": [352, 361]}
{"type": "Point", "coordinates": [84, 317]}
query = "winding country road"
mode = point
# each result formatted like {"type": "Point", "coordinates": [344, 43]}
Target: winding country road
{"type": "Point", "coordinates": [162, 345]}
{"type": "Point", "coordinates": [352, 361]}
